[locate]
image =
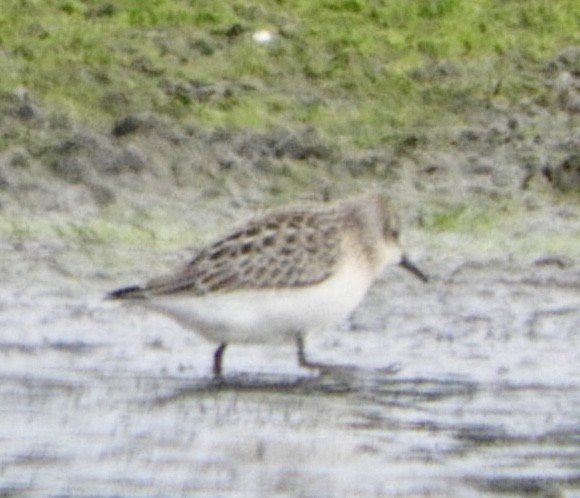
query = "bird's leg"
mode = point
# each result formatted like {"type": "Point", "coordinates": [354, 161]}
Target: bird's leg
{"type": "Point", "coordinates": [302, 361]}
{"type": "Point", "coordinates": [300, 345]}
{"type": "Point", "coordinates": [217, 360]}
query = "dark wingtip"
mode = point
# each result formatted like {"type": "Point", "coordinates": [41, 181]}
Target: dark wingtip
{"type": "Point", "coordinates": [132, 292]}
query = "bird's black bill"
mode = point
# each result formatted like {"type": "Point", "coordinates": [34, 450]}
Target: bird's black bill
{"type": "Point", "coordinates": [405, 263]}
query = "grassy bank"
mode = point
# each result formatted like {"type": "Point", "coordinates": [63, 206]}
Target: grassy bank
{"type": "Point", "coordinates": [361, 72]}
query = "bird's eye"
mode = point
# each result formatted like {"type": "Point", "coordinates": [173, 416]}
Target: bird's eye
{"type": "Point", "coordinates": [390, 231]}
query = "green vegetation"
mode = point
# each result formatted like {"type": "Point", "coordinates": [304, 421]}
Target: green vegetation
{"type": "Point", "coordinates": [480, 217]}
{"type": "Point", "coordinates": [98, 231]}
{"type": "Point", "coordinates": [362, 72]}
{"type": "Point", "coordinates": [504, 228]}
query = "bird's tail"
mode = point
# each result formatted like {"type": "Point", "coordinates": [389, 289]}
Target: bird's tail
{"type": "Point", "coordinates": [132, 292]}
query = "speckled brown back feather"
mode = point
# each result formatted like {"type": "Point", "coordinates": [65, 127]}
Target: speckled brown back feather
{"type": "Point", "coordinates": [281, 249]}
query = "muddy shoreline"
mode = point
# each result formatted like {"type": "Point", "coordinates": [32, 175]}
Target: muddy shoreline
{"type": "Point", "coordinates": [468, 386]}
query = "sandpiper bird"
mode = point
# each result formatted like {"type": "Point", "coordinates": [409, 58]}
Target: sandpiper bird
{"type": "Point", "coordinates": [280, 275]}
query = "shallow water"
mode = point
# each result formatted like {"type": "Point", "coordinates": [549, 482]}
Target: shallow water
{"type": "Point", "coordinates": [469, 386]}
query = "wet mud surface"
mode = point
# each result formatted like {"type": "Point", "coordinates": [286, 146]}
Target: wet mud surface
{"type": "Point", "coordinates": [467, 386]}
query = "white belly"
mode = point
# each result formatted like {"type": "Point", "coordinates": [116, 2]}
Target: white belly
{"type": "Point", "coordinates": [269, 316]}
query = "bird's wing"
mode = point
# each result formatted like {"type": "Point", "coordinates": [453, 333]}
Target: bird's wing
{"type": "Point", "coordinates": [277, 250]}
